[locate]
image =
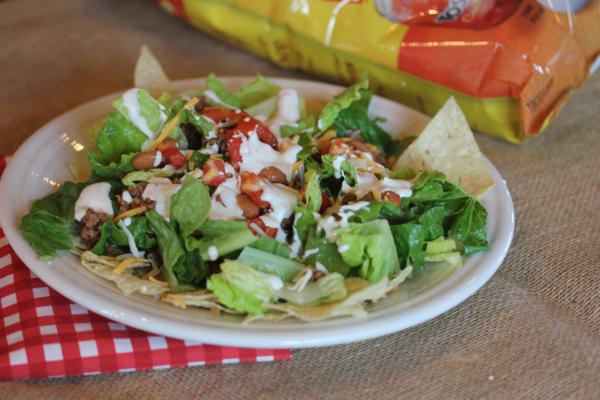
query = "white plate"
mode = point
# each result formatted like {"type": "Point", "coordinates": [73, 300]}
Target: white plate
{"type": "Point", "coordinates": [41, 164]}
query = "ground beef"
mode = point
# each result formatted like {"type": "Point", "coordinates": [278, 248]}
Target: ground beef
{"type": "Point", "coordinates": [137, 199]}
{"type": "Point", "coordinates": [90, 227]}
{"type": "Point", "coordinates": [199, 107]}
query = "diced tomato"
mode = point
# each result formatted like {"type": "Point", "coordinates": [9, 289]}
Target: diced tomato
{"type": "Point", "coordinates": [251, 185]}
{"type": "Point", "coordinates": [338, 146]}
{"type": "Point", "coordinates": [214, 172]}
{"type": "Point", "coordinates": [258, 222]}
{"type": "Point", "coordinates": [245, 123]}
{"type": "Point", "coordinates": [174, 157]}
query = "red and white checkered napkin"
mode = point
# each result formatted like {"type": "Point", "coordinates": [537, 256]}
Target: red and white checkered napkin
{"type": "Point", "coordinates": [43, 334]}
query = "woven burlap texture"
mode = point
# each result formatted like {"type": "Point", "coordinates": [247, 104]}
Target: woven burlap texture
{"type": "Point", "coordinates": [531, 333]}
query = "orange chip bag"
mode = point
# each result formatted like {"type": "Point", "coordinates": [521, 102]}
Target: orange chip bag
{"type": "Point", "coordinates": [510, 64]}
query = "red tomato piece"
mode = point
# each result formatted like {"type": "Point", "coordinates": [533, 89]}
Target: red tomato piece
{"type": "Point", "coordinates": [252, 186]}
{"type": "Point", "coordinates": [258, 222]}
{"type": "Point", "coordinates": [338, 146]}
{"type": "Point", "coordinates": [174, 157]}
{"type": "Point", "coordinates": [214, 172]}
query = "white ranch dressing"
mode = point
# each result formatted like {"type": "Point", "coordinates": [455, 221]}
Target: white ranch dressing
{"type": "Point", "coordinates": [288, 110]}
{"type": "Point", "coordinates": [275, 281]}
{"type": "Point", "coordinates": [224, 201]}
{"type": "Point", "coordinates": [367, 182]}
{"type": "Point", "coordinates": [257, 155]}
{"type": "Point", "coordinates": [213, 253]}
{"type": "Point", "coordinates": [130, 239]}
{"type": "Point", "coordinates": [132, 104]}
{"type": "Point", "coordinates": [283, 201]}
{"type": "Point", "coordinates": [160, 190]}
{"type": "Point", "coordinates": [329, 224]}
{"type": "Point", "coordinates": [95, 197]}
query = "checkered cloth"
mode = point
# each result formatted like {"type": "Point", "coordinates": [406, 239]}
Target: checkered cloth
{"type": "Point", "coordinates": [42, 334]}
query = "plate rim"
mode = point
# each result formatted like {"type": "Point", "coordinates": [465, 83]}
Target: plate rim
{"type": "Point", "coordinates": [359, 329]}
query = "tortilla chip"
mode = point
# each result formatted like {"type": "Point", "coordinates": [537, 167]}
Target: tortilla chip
{"type": "Point", "coordinates": [149, 74]}
{"type": "Point", "coordinates": [127, 283]}
{"type": "Point", "coordinates": [447, 145]}
{"type": "Point", "coordinates": [199, 298]}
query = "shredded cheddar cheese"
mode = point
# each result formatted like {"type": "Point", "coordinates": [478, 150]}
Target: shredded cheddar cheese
{"type": "Point", "coordinates": [161, 283]}
{"type": "Point", "coordinates": [173, 123]}
{"type": "Point", "coordinates": [126, 263]}
{"type": "Point", "coordinates": [130, 213]}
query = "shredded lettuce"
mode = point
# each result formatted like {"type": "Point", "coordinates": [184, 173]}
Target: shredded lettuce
{"type": "Point", "coordinates": [312, 193]}
{"type": "Point", "coordinates": [342, 101]}
{"type": "Point", "coordinates": [248, 95]}
{"type": "Point", "coordinates": [369, 246]}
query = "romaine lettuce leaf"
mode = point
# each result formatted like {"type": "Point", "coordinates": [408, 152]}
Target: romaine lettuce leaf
{"type": "Point", "coordinates": [409, 239]}
{"type": "Point", "coordinates": [179, 267]}
{"type": "Point", "coordinates": [269, 263]}
{"type": "Point", "coordinates": [113, 169]}
{"type": "Point", "coordinates": [356, 118]}
{"type": "Point", "coordinates": [46, 233]}
{"type": "Point", "coordinates": [220, 238]}
{"type": "Point", "coordinates": [371, 247]}
{"type": "Point", "coordinates": [61, 203]}
{"type": "Point", "coordinates": [190, 206]}
{"type": "Point", "coordinates": [118, 136]}
{"type": "Point", "coordinates": [271, 246]}
{"type": "Point", "coordinates": [111, 234]}
{"type": "Point", "coordinates": [241, 287]}
{"type": "Point", "coordinates": [469, 228]}
{"type": "Point", "coordinates": [248, 95]}
{"type": "Point", "coordinates": [151, 114]}
{"type": "Point", "coordinates": [312, 193]}
{"type": "Point", "coordinates": [342, 101]}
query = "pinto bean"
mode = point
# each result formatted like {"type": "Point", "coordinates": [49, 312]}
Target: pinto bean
{"type": "Point", "coordinates": [146, 160]}
{"type": "Point", "coordinates": [249, 209]}
{"type": "Point", "coordinates": [274, 175]}
{"type": "Point", "coordinates": [391, 197]}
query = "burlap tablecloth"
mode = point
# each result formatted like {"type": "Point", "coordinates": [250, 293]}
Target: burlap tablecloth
{"type": "Point", "coordinates": [531, 333]}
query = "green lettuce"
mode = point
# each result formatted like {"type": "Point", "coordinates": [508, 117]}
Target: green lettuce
{"type": "Point", "coordinates": [118, 136]}
{"type": "Point", "coordinates": [371, 247]}
{"type": "Point", "coordinates": [271, 246]}
{"type": "Point", "coordinates": [409, 239]}
{"type": "Point", "coordinates": [152, 111]}
{"type": "Point", "coordinates": [61, 203]}
{"type": "Point", "coordinates": [269, 263]}
{"type": "Point", "coordinates": [224, 236]}
{"type": "Point", "coordinates": [346, 169]}
{"type": "Point", "coordinates": [342, 101]}
{"type": "Point", "coordinates": [469, 228]}
{"type": "Point", "coordinates": [111, 170]}
{"type": "Point", "coordinates": [241, 287]}
{"type": "Point", "coordinates": [190, 206]}
{"type": "Point", "coordinates": [356, 118]}
{"type": "Point", "coordinates": [248, 95]}
{"type": "Point", "coordinates": [111, 234]}
{"type": "Point", "coordinates": [313, 195]}
{"type": "Point", "coordinates": [46, 233]}
{"type": "Point", "coordinates": [182, 270]}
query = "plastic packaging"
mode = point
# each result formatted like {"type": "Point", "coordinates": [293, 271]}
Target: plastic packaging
{"type": "Point", "coordinates": [510, 64]}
